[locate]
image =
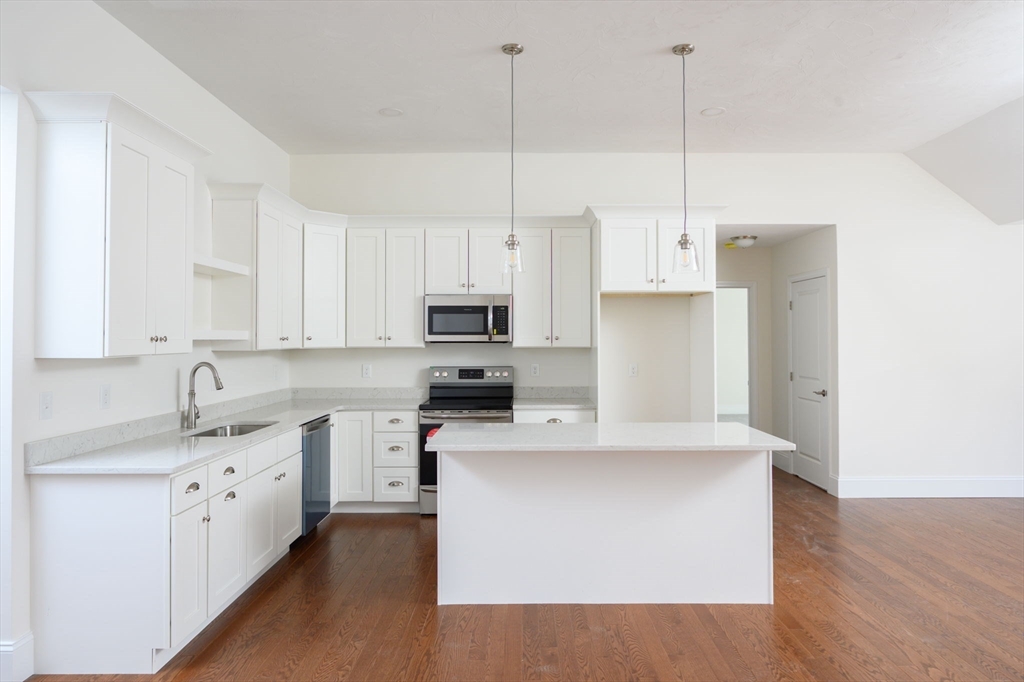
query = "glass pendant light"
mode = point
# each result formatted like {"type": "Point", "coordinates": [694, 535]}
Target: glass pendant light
{"type": "Point", "coordinates": [512, 255]}
{"type": "Point", "coordinates": [684, 255]}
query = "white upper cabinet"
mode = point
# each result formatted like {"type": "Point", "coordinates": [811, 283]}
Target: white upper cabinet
{"type": "Point", "coordinates": [364, 274]}
{"type": "Point", "coordinates": [404, 287]}
{"type": "Point", "coordinates": [552, 296]}
{"type": "Point", "coordinates": [465, 261]}
{"type": "Point", "coordinates": [570, 287]}
{"type": "Point", "coordinates": [636, 255]}
{"type": "Point", "coordinates": [291, 282]}
{"type": "Point", "coordinates": [323, 290]}
{"type": "Point", "coordinates": [278, 279]}
{"type": "Point", "coordinates": [629, 252]}
{"type": "Point", "coordinates": [114, 238]}
{"type": "Point", "coordinates": [385, 287]}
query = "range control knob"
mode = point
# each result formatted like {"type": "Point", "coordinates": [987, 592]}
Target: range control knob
{"type": "Point", "coordinates": [504, 374]}
{"type": "Point", "coordinates": [444, 374]}
{"type": "Point", "coordinates": [490, 373]}
{"type": "Point", "coordinates": [437, 374]}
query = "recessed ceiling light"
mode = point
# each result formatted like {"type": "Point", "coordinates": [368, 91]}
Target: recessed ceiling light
{"type": "Point", "coordinates": [712, 111]}
{"type": "Point", "coordinates": [390, 112]}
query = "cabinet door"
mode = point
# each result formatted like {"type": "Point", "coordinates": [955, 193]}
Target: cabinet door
{"type": "Point", "coordinates": [188, 571]}
{"type": "Point", "coordinates": [628, 255]}
{"type": "Point", "coordinates": [269, 225]}
{"type": "Point", "coordinates": [486, 275]}
{"type": "Point", "coordinates": [364, 277]}
{"type": "Point", "coordinates": [288, 502]}
{"type": "Point", "coordinates": [570, 287]}
{"type": "Point", "coordinates": [668, 234]}
{"type": "Point", "coordinates": [128, 328]}
{"type": "Point", "coordinates": [531, 290]}
{"type": "Point", "coordinates": [291, 282]}
{"type": "Point", "coordinates": [227, 529]}
{"type": "Point", "coordinates": [404, 300]}
{"type": "Point", "coordinates": [259, 528]}
{"type": "Point", "coordinates": [447, 254]}
{"type": "Point", "coordinates": [170, 247]}
{"type": "Point", "coordinates": [354, 465]}
{"type": "Point", "coordinates": [323, 289]}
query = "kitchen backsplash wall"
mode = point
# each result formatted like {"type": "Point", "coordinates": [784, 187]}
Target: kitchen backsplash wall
{"type": "Point", "coordinates": [408, 366]}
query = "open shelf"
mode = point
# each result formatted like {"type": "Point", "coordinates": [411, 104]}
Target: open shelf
{"type": "Point", "coordinates": [220, 335]}
{"type": "Point", "coordinates": [217, 267]}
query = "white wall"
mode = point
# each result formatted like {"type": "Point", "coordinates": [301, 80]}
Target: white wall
{"type": "Point", "coordinates": [732, 357]}
{"type": "Point", "coordinates": [77, 46]}
{"type": "Point", "coordinates": [755, 265]}
{"type": "Point", "coordinates": [930, 293]}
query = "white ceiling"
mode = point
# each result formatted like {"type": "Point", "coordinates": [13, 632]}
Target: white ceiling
{"type": "Point", "coordinates": [767, 235]}
{"type": "Point", "coordinates": [837, 76]}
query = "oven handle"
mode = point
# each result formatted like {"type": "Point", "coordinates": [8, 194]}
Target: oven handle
{"type": "Point", "coordinates": [490, 321]}
{"type": "Point", "coordinates": [432, 418]}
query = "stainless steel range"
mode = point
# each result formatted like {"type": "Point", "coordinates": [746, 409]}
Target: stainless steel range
{"type": "Point", "coordinates": [459, 395]}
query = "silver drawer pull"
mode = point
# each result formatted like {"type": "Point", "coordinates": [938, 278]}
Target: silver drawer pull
{"type": "Point", "coordinates": [395, 484]}
{"type": "Point", "coordinates": [396, 420]}
{"type": "Point", "coordinates": [395, 448]}
{"type": "Point", "coordinates": [206, 519]}
{"type": "Point", "coordinates": [192, 487]}
{"type": "Point", "coordinates": [229, 471]}
{"type": "Point", "coordinates": [554, 420]}
{"type": "Point", "coordinates": [229, 496]}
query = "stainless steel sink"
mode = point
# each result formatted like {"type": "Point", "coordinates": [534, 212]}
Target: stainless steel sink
{"type": "Point", "coordinates": [229, 430]}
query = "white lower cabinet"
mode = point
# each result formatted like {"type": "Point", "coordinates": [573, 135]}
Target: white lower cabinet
{"type": "Point", "coordinates": [227, 538]}
{"type": "Point", "coordinates": [554, 416]}
{"type": "Point", "coordinates": [353, 464]}
{"type": "Point", "coordinates": [287, 502]}
{"type": "Point", "coordinates": [189, 549]}
{"type": "Point", "coordinates": [396, 484]}
{"type": "Point", "coordinates": [260, 516]}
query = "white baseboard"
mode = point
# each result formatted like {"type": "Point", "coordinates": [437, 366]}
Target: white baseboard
{"type": "Point", "coordinates": [17, 659]}
{"type": "Point", "coordinates": [928, 486]}
{"type": "Point", "coordinates": [783, 460]}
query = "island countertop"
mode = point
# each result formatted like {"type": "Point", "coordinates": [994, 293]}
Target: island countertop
{"type": "Point", "coordinates": [661, 437]}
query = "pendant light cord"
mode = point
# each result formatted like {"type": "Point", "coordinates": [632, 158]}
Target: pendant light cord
{"type": "Point", "coordinates": [512, 155]}
{"type": "Point", "coordinates": [684, 145]}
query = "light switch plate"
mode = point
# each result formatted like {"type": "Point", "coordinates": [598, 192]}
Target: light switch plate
{"type": "Point", "coordinates": [46, 405]}
{"type": "Point", "coordinates": [105, 397]}
{"type": "Point", "coordinates": [634, 370]}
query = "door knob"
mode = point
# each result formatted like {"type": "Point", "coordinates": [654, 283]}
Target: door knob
{"type": "Point", "coordinates": [823, 392]}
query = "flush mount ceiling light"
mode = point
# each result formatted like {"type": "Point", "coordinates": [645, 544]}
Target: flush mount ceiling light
{"type": "Point", "coordinates": [744, 241]}
{"type": "Point", "coordinates": [390, 112]}
{"type": "Point", "coordinates": [711, 112]}
{"type": "Point", "coordinates": [511, 255]}
{"type": "Point", "coordinates": [684, 255]}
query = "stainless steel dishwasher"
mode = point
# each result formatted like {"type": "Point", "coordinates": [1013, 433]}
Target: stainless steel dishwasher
{"type": "Point", "coordinates": [316, 473]}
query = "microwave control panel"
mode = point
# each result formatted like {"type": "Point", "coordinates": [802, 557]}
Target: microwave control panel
{"type": "Point", "coordinates": [500, 319]}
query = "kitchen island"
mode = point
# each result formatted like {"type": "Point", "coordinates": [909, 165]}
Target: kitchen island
{"type": "Point", "coordinates": [604, 513]}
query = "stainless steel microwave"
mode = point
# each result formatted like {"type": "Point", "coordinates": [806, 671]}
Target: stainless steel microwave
{"type": "Point", "coordinates": [467, 319]}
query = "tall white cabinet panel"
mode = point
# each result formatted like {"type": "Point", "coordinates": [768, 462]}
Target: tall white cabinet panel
{"type": "Point", "coordinates": [288, 502]}
{"type": "Point", "coordinates": [669, 232]}
{"type": "Point", "coordinates": [189, 537]}
{"type": "Point", "coordinates": [570, 287]}
{"type": "Point", "coordinates": [364, 275]}
{"type": "Point", "coordinates": [531, 290]}
{"type": "Point", "coordinates": [629, 255]}
{"type": "Point", "coordinates": [404, 287]}
{"type": "Point", "coordinates": [260, 545]}
{"type": "Point", "coordinates": [486, 275]}
{"type": "Point", "coordinates": [269, 228]}
{"type": "Point", "coordinates": [447, 256]}
{"type": "Point", "coordinates": [291, 282]}
{"type": "Point", "coordinates": [354, 463]}
{"type": "Point", "coordinates": [115, 202]}
{"type": "Point", "coordinates": [323, 290]}
{"type": "Point", "coordinates": [227, 529]}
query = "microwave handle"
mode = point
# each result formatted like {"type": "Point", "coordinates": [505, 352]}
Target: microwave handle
{"type": "Point", "coordinates": [490, 321]}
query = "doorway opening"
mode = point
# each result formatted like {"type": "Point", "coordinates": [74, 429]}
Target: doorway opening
{"type": "Point", "coordinates": [736, 352]}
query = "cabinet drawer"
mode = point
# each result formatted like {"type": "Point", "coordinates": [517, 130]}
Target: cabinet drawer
{"type": "Point", "coordinates": [188, 490]}
{"type": "Point", "coordinates": [396, 449]}
{"type": "Point", "coordinates": [396, 484]}
{"type": "Point", "coordinates": [288, 444]}
{"type": "Point", "coordinates": [547, 416]}
{"type": "Point", "coordinates": [227, 472]}
{"type": "Point", "coordinates": [396, 421]}
{"type": "Point", "coordinates": [260, 456]}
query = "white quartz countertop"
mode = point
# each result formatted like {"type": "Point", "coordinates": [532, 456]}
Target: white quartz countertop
{"type": "Point", "coordinates": [553, 404]}
{"type": "Point", "coordinates": [661, 437]}
{"type": "Point", "coordinates": [170, 453]}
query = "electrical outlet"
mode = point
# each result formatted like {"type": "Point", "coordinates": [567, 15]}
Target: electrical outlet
{"type": "Point", "coordinates": [105, 397]}
{"type": "Point", "coordinates": [535, 370]}
{"type": "Point", "coordinates": [46, 405]}
{"type": "Point", "coordinates": [634, 370]}
{"type": "Point", "coordinates": [367, 371]}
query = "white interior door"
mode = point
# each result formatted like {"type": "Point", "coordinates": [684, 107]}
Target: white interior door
{"type": "Point", "coordinates": [486, 276]}
{"type": "Point", "coordinates": [809, 360]}
{"type": "Point", "coordinates": [447, 252]}
{"type": "Point", "coordinates": [323, 290]}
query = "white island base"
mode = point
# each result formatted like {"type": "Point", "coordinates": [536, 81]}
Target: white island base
{"type": "Point", "coordinates": [604, 513]}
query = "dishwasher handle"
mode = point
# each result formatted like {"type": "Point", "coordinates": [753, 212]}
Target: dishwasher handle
{"type": "Point", "coordinates": [316, 425]}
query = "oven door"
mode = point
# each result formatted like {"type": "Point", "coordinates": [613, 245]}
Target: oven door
{"type": "Point", "coordinates": [457, 319]}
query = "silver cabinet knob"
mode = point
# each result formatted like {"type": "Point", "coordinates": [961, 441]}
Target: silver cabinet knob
{"type": "Point", "coordinates": [395, 484]}
{"type": "Point", "coordinates": [284, 475]}
{"type": "Point", "coordinates": [663, 280]}
{"type": "Point", "coordinates": [556, 338]}
{"type": "Point", "coordinates": [229, 496]}
{"type": "Point", "coordinates": [152, 339]}
{"type": "Point", "coordinates": [206, 519]}
{"type": "Point", "coordinates": [395, 448]}
{"type": "Point", "coordinates": [309, 338]}
{"type": "Point", "coordinates": [396, 420]}
{"type": "Point", "coordinates": [285, 338]}
{"type": "Point", "coordinates": [192, 488]}
{"type": "Point", "coordinates": [471, 286]}
{"type": "Point", "coordinates": [823, 392]}
{"type": "Point", "coordinates": [463, 285]}
{"type": "Point", "coordinates": [650, 281]}
{"type": "Point", "coordinates": [164, 339]}
{"type": "Point", "coordinates": [554, 420]}
{"type": "Point", "coordinates": [278, 477]}
{"type": "Point", "coordinates": [389, 338]}
{"type": "Point", "coordinates": [380, 338]}
{"type": "Point", "coordinates": [547, 338]}
{"type": "Point", "coordinates": [229, 471]}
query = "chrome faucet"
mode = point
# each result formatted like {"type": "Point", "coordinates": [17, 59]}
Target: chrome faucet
{"type": "Point", "coordinates": [192, 411]}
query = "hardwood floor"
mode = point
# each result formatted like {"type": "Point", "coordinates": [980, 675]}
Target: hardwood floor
{"type": "Point", "coordinates": [864, 590]}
